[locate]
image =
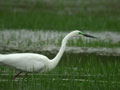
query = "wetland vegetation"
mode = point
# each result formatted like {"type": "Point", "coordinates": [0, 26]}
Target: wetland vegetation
{"type": "Point", "coordinates": [39, 26]}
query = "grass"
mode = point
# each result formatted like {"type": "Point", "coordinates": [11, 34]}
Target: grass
{"type": "Point", "coordinates": [70, 74]}
{"type": "Point", "coordinates": [75, 71]}
{"type": "Point", "coordinates": [65, 15]}
{"type": "Point", "coordinates": [48, 21]}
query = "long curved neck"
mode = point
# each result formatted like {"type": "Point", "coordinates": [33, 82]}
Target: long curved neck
{"type": "Point", "coordinates": [57, 58]}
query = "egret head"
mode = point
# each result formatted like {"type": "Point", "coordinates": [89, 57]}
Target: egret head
{"type": "Point", "coordinates": [86, 35]}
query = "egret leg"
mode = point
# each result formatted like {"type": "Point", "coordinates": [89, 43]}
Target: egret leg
{"type": "Point", "coordinates": [25, 76]}
{"type": "Point", "coordinates": [17, 75]}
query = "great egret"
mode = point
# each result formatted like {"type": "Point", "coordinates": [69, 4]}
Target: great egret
{"type": "Point", "coordinates": [31, 62]}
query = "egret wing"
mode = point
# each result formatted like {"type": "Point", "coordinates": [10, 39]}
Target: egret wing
{"type": "Point", "coordinates": [24, 62]}
{"type": "Point", "coordinates": [31, 67]}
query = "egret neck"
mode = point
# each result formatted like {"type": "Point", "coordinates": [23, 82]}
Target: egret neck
{"type": "Point", "coordinates": [57, 58]}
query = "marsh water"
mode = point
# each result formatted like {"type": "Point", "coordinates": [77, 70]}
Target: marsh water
{"type": "Point", "coordinates": [12, 41]}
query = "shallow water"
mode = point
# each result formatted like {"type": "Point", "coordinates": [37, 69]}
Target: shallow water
{"type": "Point", "coordinates": [12, 41]}
{"type": "Point", "coordinates": [20, 35]}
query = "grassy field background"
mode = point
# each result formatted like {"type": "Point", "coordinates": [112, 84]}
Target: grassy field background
{"type": "Point", "coordinates": [29, 25]}
{"type": "Point", "coordinates": [60, 15]}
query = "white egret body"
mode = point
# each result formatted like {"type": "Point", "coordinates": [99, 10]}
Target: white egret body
{"type": "Point", "coordinates": [30, 62]}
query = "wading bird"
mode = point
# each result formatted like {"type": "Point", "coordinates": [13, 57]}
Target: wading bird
{"type": "Point", "coordinates": [31, 62]}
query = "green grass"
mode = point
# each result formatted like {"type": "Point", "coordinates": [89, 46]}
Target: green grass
{"type": "Point", "coordinates": [61, 15]}
{"type": "Point", "coordinates": [49, 21]}
{"type": "Point", "coordinates": [73, 72]}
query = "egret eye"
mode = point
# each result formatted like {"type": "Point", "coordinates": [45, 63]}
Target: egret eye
{"type": "Point", "coordinates": [81, 33]}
